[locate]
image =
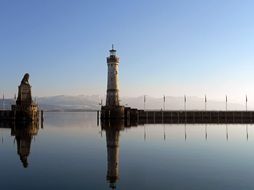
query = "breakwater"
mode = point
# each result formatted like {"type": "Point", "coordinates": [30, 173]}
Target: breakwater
{"type": "Point", "coordinates": [181, 116]}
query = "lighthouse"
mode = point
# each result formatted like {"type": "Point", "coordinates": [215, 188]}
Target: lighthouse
{"type": "Point", "coordinates": [113, 85]}
{"type": "Point", "coordinates": [112, 109]}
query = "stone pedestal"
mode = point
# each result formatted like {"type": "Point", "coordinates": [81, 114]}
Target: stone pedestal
{"type": "Point", "coordinates": [112, 113]}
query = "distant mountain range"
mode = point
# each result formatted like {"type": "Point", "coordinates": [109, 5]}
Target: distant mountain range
{"type": "Point", "coordinates": [83, 102]}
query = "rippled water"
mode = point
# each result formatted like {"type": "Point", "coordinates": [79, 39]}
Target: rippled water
{"type": "Point", "coordinates": [72, 152]}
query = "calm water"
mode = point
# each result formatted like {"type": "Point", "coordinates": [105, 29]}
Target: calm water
{"type": "Point", "coordinates": [72, 152]}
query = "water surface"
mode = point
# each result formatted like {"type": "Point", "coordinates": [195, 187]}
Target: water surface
{"type": "Point", "coordinates": [73, 152]}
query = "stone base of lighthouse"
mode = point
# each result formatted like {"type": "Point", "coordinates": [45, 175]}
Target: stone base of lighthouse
{"type": "Point", "coordinates": [112, 113]}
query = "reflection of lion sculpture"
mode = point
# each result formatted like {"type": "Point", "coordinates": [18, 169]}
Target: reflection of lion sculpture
{"type": "Point", "coordinates": [25, 79]}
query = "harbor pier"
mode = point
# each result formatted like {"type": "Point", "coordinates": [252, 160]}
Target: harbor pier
{"type": "Point", "coordinates": [195, 117]}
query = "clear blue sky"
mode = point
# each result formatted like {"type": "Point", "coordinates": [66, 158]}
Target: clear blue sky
{"type": "Point", "coordinates": [167, 47]}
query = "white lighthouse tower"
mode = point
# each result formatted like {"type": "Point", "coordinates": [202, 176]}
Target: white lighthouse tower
{"type": "Point", "coordinates": [113, 86]}
{"type": "Point", "coordinates": [112, 109]}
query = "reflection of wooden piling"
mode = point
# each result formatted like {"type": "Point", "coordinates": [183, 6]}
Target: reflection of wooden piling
{"type": "Point", "coordinates": [42, 118]}
{"type": "Point", "coordinates": [42, 115]}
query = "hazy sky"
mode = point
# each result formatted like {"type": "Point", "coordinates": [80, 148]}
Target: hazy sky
{"type": "Point", "coordinates": [165, 47]}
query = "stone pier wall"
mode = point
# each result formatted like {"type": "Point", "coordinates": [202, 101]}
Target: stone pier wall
{"type": "Point", "coordinates": [6, 115]}
{"type": "Point", "coordinates": [196, 116]}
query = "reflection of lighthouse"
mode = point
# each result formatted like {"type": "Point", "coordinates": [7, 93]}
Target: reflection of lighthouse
{"type": "Point", "coordinates": [113, 155]}
{"type": "Point", "coordinates": [112, 137]}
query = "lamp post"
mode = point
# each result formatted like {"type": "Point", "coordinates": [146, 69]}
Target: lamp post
{"type": "Point", "coordinates": [164, 101]}
{"type": "Point", "coordinates": [226, 103]}
{"type": "Point", "coordinates": [246, 102]}
{"type": "Point", "coordinates": [184, 103]}
{"type": "Point", "coordinates": [185, 115]}
{"type": "Point", "coordinates": [3, 102]}
{"type": "Point", "coordinates": [205, 102]}
{"type": "Point", "coordinates": [144, 102]}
